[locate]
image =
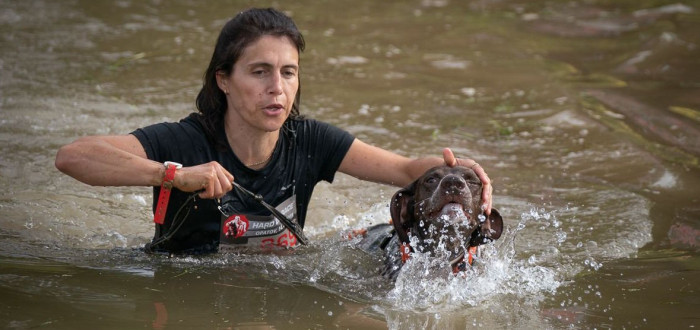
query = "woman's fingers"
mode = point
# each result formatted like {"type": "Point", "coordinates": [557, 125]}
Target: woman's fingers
{"type": "Point", "coordinates": [452, 161]}
{"type": "Point", "coordinates": [217, 189]}
{"type": "Point", "coordinates": [226, 180]}
{"type": "Point", "coordinates": [486, 188]}
{"type": "Point", "coordinates": [210, 179]}
{"type": "Point", "coordinates": [449, 157]}
{"type": "Point", "coordinates": [221, 184]}
{"type": "Point", "coordinates": [486, 196]}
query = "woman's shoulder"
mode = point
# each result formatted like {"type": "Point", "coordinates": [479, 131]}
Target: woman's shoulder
{"type": "Point", "coordinates": [187, 129]}
{"type": "Point", "coordinates": [195, 121]}
{"type": "Point", "coordinates": [190, 125]}
{"type": "Point", "coordinates": [182, 141]}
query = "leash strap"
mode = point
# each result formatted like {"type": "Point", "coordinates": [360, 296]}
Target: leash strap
{"type": "Point", "coordinates": [293, 227]}
{"type": "Point", "coordinates": [472, 251]}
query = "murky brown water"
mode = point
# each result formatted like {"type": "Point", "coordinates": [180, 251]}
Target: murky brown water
{"type": "Point", "coordinates": [585, 113]}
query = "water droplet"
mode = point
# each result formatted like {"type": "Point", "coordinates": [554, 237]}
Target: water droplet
{"type": "Point", "coordinates": [532, 260]}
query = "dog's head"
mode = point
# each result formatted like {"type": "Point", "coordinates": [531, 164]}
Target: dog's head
{"type": "Point", "coordinates": [442, 209]}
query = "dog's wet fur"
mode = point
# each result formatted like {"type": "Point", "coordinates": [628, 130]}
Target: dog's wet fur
{"type": "Point", "coordinates": [441, 213]}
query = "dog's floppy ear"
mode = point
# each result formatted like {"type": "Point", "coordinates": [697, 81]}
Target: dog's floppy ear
{"type": "Point", "coordinates": [489, 230]}
{"type": "Point", "coordinates": [401, 209]}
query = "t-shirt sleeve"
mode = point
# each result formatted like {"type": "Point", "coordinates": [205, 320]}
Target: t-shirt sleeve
{"type": "Point", "coordinates": [179, 142]}
{"type": "Point", "coordinates": [149, 140]}
{"type": "Point", "coordinates": [332, 144]}
{"type": "Point", "coordinates": [155, 139]}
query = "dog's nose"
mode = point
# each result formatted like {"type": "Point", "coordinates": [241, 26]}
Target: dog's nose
{"type": "Point", "coordinates": [453, 183]}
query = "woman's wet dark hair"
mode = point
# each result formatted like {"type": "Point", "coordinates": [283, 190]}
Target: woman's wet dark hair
{"type": "Point", "coordinates": [239, 32]}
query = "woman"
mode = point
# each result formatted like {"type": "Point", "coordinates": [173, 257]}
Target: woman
{"type": "Point", "coordinates": [248, 125]}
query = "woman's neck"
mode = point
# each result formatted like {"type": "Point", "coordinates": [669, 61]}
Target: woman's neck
{"type": "Point", "coordinates": [253, 147]}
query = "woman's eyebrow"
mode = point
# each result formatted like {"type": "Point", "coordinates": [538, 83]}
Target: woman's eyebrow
{"type": "Point", "coordinates": [268, 65]}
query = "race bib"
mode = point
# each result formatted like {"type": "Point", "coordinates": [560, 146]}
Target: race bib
{"type": "Point", "coordinates": [243, 230]}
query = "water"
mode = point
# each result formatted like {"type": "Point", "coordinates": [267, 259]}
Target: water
{"type": "Point", "coordinates": [585, 114]}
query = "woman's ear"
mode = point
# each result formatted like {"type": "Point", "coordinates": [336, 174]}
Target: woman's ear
{"type": "Point", "coordinates": [222, 81]}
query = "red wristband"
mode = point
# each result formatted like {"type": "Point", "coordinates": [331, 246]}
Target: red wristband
{"type": "Point", "coordinates": [165, 187]}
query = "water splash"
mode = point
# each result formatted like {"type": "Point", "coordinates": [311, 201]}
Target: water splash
{"type": "Point", "coordinates": [535, 256]}
{"type": "Point", "coordinates": [427, 284]}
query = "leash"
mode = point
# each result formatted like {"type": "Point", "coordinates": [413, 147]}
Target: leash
{"type": "Point", "coordinates": [292, 225]}
{"type": "Point", "coordinates": [177, 222]}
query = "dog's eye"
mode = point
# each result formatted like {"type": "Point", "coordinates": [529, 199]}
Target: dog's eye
{"type": "Point", "coordinates": [472, 180]}
{"type": "Point", "coordinates": [474, 183]}
{"type": "Point", "coordinates": [431, 180]}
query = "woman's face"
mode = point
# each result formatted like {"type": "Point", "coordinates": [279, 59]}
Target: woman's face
{"type": "Point", "coordinates": [263, 84]}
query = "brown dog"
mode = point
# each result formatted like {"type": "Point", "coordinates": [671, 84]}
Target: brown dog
{"type": "Point", "coordinates": [441, 213]}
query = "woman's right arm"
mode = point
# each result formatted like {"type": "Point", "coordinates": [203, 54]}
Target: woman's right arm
{"type": "Point", "coordinates": [120, 160]}
{"type": "Point", "coordinates": [109, 161]}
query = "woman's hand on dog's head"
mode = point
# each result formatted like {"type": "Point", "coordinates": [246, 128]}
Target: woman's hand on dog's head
{"type": "Point", "coordinates": [487, 189]}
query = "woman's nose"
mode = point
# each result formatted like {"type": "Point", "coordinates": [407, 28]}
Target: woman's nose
{"type": "Point", "coordinates": [275, 87]}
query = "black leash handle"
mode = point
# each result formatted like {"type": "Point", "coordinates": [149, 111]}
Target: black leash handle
{"type": "Point", "coordinates": [289, 223]}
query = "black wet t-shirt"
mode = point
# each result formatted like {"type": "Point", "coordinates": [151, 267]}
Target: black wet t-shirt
{"type": "Point", "coordinates": [307, 152]}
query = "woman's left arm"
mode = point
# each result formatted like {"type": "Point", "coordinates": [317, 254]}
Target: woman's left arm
{"type": "Point", "coordinates": [374, 164]}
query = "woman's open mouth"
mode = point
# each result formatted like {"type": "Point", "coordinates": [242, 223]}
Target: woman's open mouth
{"type": "Point", "coordinates": [274, 109]}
